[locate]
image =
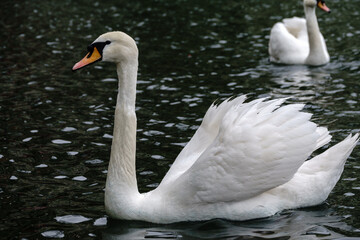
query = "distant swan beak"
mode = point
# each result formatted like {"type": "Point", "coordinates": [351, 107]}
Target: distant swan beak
{"type": "Point", "coordinates": [322, 6]}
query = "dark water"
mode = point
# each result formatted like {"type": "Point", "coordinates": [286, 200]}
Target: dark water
{"type": "Point", "coordinates": [56, 126]}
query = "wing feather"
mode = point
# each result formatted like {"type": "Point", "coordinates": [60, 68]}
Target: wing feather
{"type": "Point", "coordinates": [289, 41]}
{"type": "Point", "coordinates": [202, 138]}
{"type": "Point", "coordinates": [258, 146]}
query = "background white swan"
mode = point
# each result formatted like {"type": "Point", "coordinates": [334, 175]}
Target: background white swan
{"type": "Point", "coordinates": [246, 160]}
{"type": "Point", "coordinates": [299, 41]}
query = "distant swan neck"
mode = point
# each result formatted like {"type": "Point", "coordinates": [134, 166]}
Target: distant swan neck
{"type": "Point", "coordinates": [317, 50]}
{"type": "Point", "coordinates": [121, 181]}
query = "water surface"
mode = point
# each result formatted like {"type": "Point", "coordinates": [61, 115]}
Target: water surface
{"type": "Point", "coordinates": [56, 126]}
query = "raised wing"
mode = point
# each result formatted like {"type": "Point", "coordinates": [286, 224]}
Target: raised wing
{"type": "Point", "coordinates": [202, 138]}
{"type": "Point", "coordinates": [259, 146]}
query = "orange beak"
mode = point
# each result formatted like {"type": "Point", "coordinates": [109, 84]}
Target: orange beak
{"type": "Point", "coordinates": [322, 6]}
{"type": "Point", "coordinates": [91, 57]}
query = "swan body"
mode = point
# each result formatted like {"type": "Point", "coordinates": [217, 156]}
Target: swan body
{"type": "Point", "coordinates": [298, 40]}
{"type": "Point", "coordinates": [246, 160]}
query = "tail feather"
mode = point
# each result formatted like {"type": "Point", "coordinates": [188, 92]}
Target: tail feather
{"type": "Point", "coordinates": [324, 138]}
{"type": "Point", "coordinates": [317, 177]}
{"type": "Point", "coordinates": [326, 168]}
{"type": "Point", "coordinates": [334, 158]}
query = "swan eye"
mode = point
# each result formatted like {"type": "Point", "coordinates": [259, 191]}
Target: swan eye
{"type": "Point", "coordinates": [98, 45]}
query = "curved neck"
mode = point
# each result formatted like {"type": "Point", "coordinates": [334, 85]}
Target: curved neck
{"type": "Point", "coordinates": [121, 177]}
{"type": "Point", "coordinates": [317, 48]}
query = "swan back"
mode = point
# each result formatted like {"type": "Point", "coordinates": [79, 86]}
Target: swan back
{"type": "Point", "coordinates": [289, 41]}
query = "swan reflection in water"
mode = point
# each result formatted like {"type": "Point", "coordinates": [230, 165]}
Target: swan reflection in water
{"type": "Point", "coordinates": [313, 223]}
{"type": "Point", "coordinates": [300, 82]}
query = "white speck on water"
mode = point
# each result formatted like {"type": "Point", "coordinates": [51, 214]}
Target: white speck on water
{"type": "Point", "coordinates": [72, 219]}
{"type": "Point", "coordinates": [32, 82]}
{"type": "Point", "coordinates": [350, 179]}
{"type": "Point", "coordinates": [79, 178]}
{"type": "Point", "coordinates": [92, 129]}
{"type": "Point", "coordinates": [94, 161]}
{"type": "Point", "coordinates": [13, 178]}
{"type": "Point", "coordinates": [153, 185]}
{"type": "Point", "coordinates": [60, 141]}
{"type": "Point", "coordinates": [49, 88]}
{"type": "Point", "coordinates": [41, 166]}
{"type": "Point", "coordinates": [68, 129]}
{"type": "Point", "coordinates": [98, 144]}
{"type": "Point", "coordinates": [146, 173]}
{"type": "Point", "coordinates": [53, 234]}
{"type": "Point", "coordinates": [60, 177]}
{"type": "Point", "coordinates": [109, 80]}
{"type": "Point", "coordinates": [107, 136]}
{"type": "Point", "coordinates": [100, 221]}
{"type": "Point", "coordinates": [27, 139]}
{"type": "Point", "coordinates": [72, 153]}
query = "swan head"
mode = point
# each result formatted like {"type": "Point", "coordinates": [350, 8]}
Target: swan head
{"type": "Point", "coordinates": [319, 3]}
{"type": "Point", "coordinates": [117, 47]}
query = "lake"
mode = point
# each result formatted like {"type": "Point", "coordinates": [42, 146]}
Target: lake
{"type": "Point", "coordinates": [56, 125]}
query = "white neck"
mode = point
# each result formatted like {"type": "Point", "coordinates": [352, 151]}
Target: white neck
{"type": "Point", "coordinates": [121, 184]}
{"type": "Point", "coordinates": [127, 75]}
{"type": "Point", "coordinates": [318, 52]}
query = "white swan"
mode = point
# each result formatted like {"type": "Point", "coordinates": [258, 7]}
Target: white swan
{"type": "Point", "coordinates": [299, 41]}
{"type": "Point", "coordinates": [246, 160]}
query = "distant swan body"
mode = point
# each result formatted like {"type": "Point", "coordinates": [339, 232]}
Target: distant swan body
{"type": "Point", "coordinates": [299, 41]}
{"type": "Point", "coordinates": [245, 161]}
